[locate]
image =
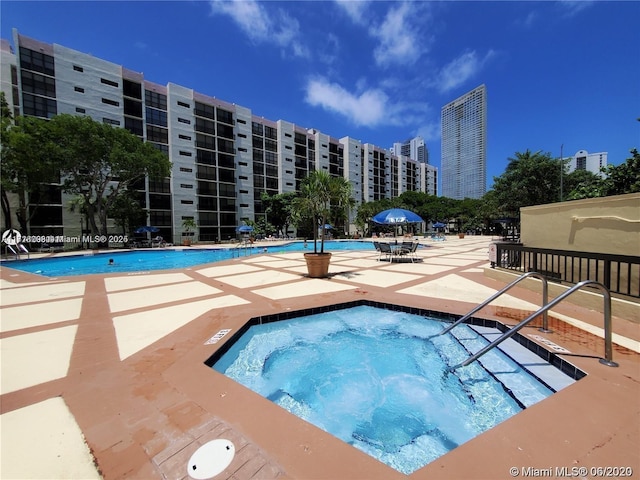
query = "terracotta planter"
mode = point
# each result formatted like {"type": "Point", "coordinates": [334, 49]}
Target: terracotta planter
{"type": "Point", "coordinates": [461, 235]}
{"type": "Point", "coordinates": [318, 264]}
{"type": "Point", "coordinates": [186, 242]}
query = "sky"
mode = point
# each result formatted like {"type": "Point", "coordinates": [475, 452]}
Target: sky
{"type": "Point", "coordinates": [560, 75]}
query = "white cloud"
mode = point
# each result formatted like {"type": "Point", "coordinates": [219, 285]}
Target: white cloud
{"type": "Point", "coordinates": [368, 107]}
{"type": "Point", "coordinates": [260, 26]}
{"type": "Point", "coordinates": [573, 7]}
{"type": "Point", "coordinates": [399, 39]}
{"type": "Point", "coordinates": [364, 109]}
{"type": "Point", "coordinates": [356, 10]}
{"type": "Point", "coordinates": [461, 69]}
{"type": "Point", "coordinates": [429, 131]}
{"type": "Point", "coordinates": [528, 21]}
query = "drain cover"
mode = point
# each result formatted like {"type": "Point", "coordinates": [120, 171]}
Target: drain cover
{"type": "Point", "coordinates": [211, 459]}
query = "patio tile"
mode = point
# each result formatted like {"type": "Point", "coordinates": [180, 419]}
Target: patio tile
{"type": "Point", "coordinates": [137, 331]}
{"type": "Point", "coordinates": [251, 280]}
{"type": "Point", "coordinates": [35, 358]}
{"type": "Point", "coordinates": [41, 293]}
{"type": "Point", "coordinates": [114, 284]}
{"type": "Point", "coordinates": [153, 296]}
{"type": "Point", "coordinates": [46, 438]}
{"type": "Point", "coordinates": [46, 313]}
{"type": "Point", "coordinates": [301, 289]}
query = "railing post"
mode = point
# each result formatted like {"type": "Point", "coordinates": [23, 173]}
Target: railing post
{"type": "Point", "coordinates": [608, 334]}
{"type": "Point", "coordinates": [607, 274]}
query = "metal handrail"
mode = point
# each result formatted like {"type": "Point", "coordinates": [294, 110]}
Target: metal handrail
{"type": "Point", "coordinates": [608, 348]}
{"type": "Point", "coordinates": [545, 298]}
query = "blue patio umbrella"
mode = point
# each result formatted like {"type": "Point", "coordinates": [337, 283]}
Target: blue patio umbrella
{"type": "Point", "coordinates": [439, 225]}
{"type": "Point", "coordinates": [327, 226]}
{"type": "Point", "coordinates": [244, 229]}
{"type": "Point", "coordinates": [397, 216]}
{"type": "Point", "coordinates": [146, 229]}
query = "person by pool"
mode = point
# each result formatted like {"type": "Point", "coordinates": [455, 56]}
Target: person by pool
{"type": "Point", "coordinates": [111, 262]}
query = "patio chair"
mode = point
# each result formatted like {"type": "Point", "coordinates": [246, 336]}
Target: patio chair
{"type": "Point", "coordinates": [376, 245]}
{"type": "Point", "coordinates": [385, 249]}
{"type": "Point", "coordinates": [409, 249]}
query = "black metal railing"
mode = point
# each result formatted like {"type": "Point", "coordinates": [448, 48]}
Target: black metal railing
{"type": "Point", "coordinates": [619, 273]}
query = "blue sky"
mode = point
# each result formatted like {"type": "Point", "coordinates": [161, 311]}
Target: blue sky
{"type": "Point", "coordinates": [557, 72]}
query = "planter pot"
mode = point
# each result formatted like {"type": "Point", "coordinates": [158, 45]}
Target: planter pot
{"type": "Point", "coordinates": [186, 242]}
{"type": "Point", "coordinates": [318, 264]}
{"type": "Point", "coordinates": [461, 235]}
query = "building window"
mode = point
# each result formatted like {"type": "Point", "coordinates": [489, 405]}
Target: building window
{"type": "Point", "coordinates": [185, 169]}
{"type": "Point", "coordinates": [78, 68]}
{"type": "Point", "coordinates": [79, 89]}
{"type": "Point", "coordinates": [185, 154]}
{"type": "Point", "coordinates": [110, 102]}
{"type": "Point", "coordinates": [132, 89]}
{"type": "Point", "coordinates": [133, 108]}
{"type": "Point", "coordinates": [204, 110]}
{"type": "Point", "coordinates": [155, 100]}
{"type": "Point", "coordinates": [111, 83]}
{"type": "Point", "coordinates": [38, 84]}
{"type": "Point", "coordinates": [109, 121]}
{"type": "Point", "coordinates": [157, 134]}
{"type": "Point", "coordinates": [134, 125]}
{"type": "Point", "coordinates": [80, 110]}
{"type": "Point", "coordinates": [183, 104]}
{"type": "Point", "coordinates": [185, 185]}
{"type": "Point", "coordinates": [36, 61]}
{"type": "Point", "coordinates": [156, 117]}
{"type": "Point", "coordinates": [581, 163]}
{"type": "Point", "coordinates": [184, 120]}
{"type": "Point", "coordinates": [184, 137]}
{"type": "Point", "coordinates": [39, 106]}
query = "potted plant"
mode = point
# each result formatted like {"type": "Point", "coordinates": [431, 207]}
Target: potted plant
{"type": "Point", "coordinates": [319, 193]}
{"type": "Point", "coordinates": [187, 225]}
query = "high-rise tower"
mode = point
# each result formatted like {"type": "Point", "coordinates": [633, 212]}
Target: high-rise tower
{"type": "Point", "coordinates": [464, 145]}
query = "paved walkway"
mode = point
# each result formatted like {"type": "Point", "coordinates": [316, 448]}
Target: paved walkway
{"type": "Point", "coordinates": [94, 366]}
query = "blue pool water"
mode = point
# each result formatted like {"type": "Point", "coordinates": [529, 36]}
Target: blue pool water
{"type": "Point", "coordinates": [375, 379]}
{"type": "Point", "coordinates": [160, 259]}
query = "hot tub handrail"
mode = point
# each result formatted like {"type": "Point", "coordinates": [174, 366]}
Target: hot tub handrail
{"type": "Point", "coordinates": [608, 349]}
{"type": "Point", "coordinates": [545, 298]}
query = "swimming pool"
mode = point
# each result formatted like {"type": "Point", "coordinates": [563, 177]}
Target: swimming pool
{"type": "Point", "coordinates": [160, 259]}
{"type": "Point", "coordinates": [377, 379]}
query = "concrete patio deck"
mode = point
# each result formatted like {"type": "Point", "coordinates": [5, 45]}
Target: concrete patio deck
{"type": "Point", "coordinates": [103, 375]}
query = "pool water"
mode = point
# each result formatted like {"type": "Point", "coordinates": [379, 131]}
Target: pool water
{"type": "Point", "coordinates": [160, 259]}
{"type": "Point", "coordinates": [378, 380]}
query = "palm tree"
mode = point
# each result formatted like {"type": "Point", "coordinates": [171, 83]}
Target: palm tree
{"type": "Point", "coordinates": [319, 194]}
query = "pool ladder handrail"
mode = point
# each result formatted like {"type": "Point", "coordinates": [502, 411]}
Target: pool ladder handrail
{"type": "Point", "coordinates": [545, 299]}
{"type": "Point", "coordinates": [238, 248]}
{"type": "Point", "coordinates": [608, 348]}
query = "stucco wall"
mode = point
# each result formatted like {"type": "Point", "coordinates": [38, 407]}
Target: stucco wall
{"type": "Point", "coordinates": [603, 225]}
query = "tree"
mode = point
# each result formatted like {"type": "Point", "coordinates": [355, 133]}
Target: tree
{"type": "Point", "coordinates": [127, 212]}
{"type": "Point", "coordinates": [27, 166]}
{"type": "Point", "coordinates": [99, 162]}
{"type": "Point", "coordinates": [623, 178]}
{"type": "Point", "coordinates": [319, 194]}
{"type": "Point", "coordinates": [583, 184]}
{"type": "Point", "coordinates": [529, 179]}
{"type": "Point", "coordinates": [278, 209]}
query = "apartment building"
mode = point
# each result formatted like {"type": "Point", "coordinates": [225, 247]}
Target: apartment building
{"type": "Point", "coordinates": [464, 145]}
{"type": "Point", "coordinates": [592, 162]}
{"type": "Point", "coordinates": [416, 149]}
{"type": "Point", "coordinates": [223, 156]}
